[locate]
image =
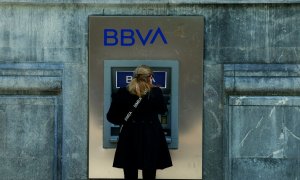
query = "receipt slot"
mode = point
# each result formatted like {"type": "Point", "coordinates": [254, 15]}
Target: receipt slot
{"type": "Point", "coordinates": [118, 74]}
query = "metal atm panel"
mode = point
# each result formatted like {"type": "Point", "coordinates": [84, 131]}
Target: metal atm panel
{"type": "Point", "coordinates": [117, 74]}
{"type": "Point", "coordinates": [155, 40]}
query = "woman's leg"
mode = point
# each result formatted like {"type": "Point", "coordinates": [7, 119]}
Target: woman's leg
{"type": "Point", "coordinates": [130, 173]}
{"type": "Point", "coordinates": [149, 173]}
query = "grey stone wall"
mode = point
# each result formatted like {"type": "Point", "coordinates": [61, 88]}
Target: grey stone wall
{"type": "Point", "coordinates": [43, 54]}
{"type": "Point", "coordinates": [262, 124]}
{"type": "Point", "coordinates": [44, 81]}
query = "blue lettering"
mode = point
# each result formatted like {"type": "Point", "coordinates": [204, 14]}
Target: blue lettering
{"type": "Point", "coordinates": [144, 40]}
{"type": "Point", "coordinates": [159, 32]}
{"type": "Point", "coordinates": [126, 37]}
{"type": "Point", "coordinates": [127, 34]}
{"type": "Point", "coordinates": [110, 37]}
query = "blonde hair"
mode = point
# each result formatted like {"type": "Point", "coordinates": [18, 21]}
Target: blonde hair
{"type": "Point", "coordinates": [141, 82]}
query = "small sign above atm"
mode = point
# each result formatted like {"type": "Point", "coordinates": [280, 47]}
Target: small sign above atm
{"type": "Point", "coordinates": [123, 78]}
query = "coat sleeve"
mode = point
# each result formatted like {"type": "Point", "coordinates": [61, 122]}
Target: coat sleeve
{"type": "Point", "coordinates": [116, 111]}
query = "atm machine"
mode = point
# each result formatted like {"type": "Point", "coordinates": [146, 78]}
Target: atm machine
{"type": "Point", "coordinates": [118, 73]}
{"type": "Point", "coordinates": [117, 45]}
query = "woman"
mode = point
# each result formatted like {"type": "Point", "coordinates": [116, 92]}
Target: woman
{"type": "Point", "coordinates": [142, 144]}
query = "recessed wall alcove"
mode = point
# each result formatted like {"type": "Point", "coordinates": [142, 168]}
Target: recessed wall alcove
{"type": "Point", "coordinates": [31, 120]}
{"type": "Point", "coordinates": [262, 125]}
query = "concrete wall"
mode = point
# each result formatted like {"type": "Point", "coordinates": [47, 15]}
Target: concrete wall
{"type": "Point", "coordinates": [251, 86]}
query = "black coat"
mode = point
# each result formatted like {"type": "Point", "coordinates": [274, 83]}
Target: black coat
{"type": "Point", "coordinates": [142, 142]}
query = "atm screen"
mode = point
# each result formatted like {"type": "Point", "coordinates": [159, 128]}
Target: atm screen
{"type": "Point", "coordinates": [122, 76]}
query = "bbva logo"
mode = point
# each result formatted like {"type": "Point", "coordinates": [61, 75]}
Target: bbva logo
{"type": "Point", "coordinates": [128, 37]}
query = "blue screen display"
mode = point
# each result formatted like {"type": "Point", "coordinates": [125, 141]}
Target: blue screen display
{"type": "Point", "coordinates": [123, 78]}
